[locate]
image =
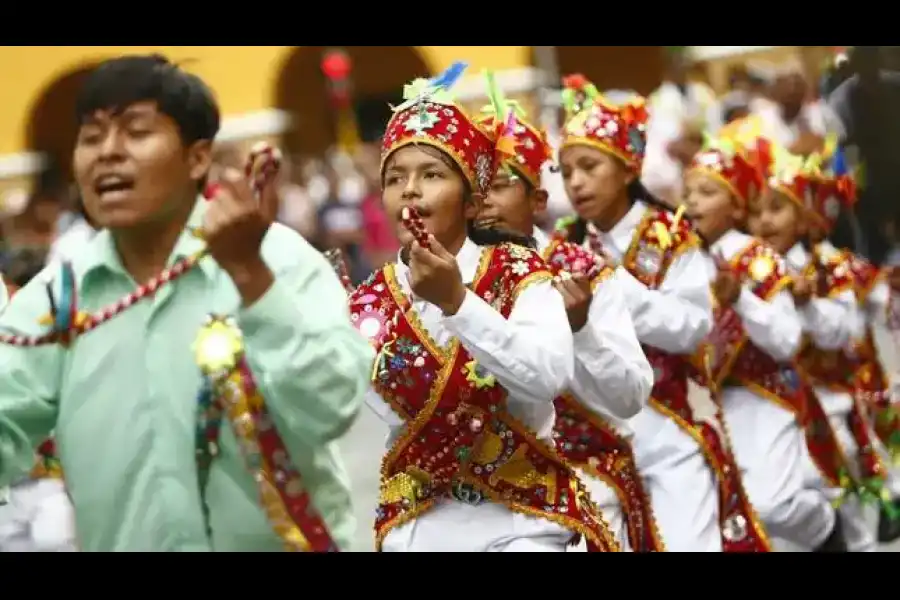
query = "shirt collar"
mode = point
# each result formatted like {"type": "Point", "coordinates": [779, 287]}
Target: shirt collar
{"type": "Point", "coordinates": [797, 257]}
{"type": "Point", "coordinates": [541, 239]}
{"type": "Point", "coordinates": [728, 244]}
{"type": "Point", "coordinates": [621, 233]}
{"type": "Point", "coordinates": [101, 255]}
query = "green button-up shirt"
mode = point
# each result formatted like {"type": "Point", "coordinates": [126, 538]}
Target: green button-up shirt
{"type": "Point", "coordinates": [122, 399]}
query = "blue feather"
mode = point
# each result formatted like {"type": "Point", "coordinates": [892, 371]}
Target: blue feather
{"type": "Point", "coordinates": [449, 77]}
{"type": "Point", "coordinates": [839, 163]}
{"type": "Point", "coordinates": [63, 316]}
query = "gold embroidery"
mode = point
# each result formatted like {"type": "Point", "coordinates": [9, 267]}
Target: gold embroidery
{"type": "Point", "coordinates": [406, 486]}
{"type": "Point", "coordinates": [488, 450]}
{"type": "Point", "coordinates": [521, 473]}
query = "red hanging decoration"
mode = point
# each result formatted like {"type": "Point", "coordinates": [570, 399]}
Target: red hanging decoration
{"type": "Point", "coordinates": [336, 65]}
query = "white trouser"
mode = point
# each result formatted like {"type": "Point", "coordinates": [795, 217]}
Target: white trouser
{"type": "Point", "coordinates": [682, 486]}
{"type": "Point", "coordinates": [770, 450]}
{"type": "Point", "coordinates": [37, 518]}
{"type": "Point", "coordinates": [858, 521]}
{"type": "Point", "coordinates": [453, 526]}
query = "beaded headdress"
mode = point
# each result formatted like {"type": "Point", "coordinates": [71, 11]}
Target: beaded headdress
{"type": "Point", "coordinates": [803, 181]}
{"type": "Point", "coordinates": [529, 148]}
{"type": "Point", "coordinates": [591, 120]}
{"type": "Point", "coordinates": [837, 187]}
{"type": "Point", "coordinates": [724, 161]}
{"type": "Point", "coordinates": [429, 115]}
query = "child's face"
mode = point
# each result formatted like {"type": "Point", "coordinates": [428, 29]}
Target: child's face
{"type": "Point", "coordinates": [777, 220]}
{"type": "Point", "coordinates": [710, 205]}
{"type": "Point", "coordinates": [511, 204]}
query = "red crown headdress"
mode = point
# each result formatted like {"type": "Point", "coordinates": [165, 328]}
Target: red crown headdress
{"type": "Point", "coordinates": [803, 182]}
{"type": "Point", "coordinates": [526, 146]}
{"type": "Point", "coordinates": [430, 116]}
{"type": "Point", "coordinates": [836, 187]}
{"type": "Point", "coordinates": [619, 130]}
{"type": "Point", "coordinates": [732, 164]}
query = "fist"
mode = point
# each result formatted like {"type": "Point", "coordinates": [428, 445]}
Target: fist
{"type": "Point", "coordinates": [807, 143]}
{"type": "Point", "coordinates": [577, 295]}
{"type": "Point", "coordinates": [802, 289]}
{"type": "Point", "coordinates": [235, 223]}
{"type": "Point", "coordinates": [726, 288]}
{"type": "Point", "coordinates": [434, 276]}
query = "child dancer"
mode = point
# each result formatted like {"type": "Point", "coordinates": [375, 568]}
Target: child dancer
{"type": "Point", "coordinates": [746, 361]}
{"type": "Point", "coordinates": [473, 344]}
{"type": "Point", "coordinates": [793, 218]}
{"type": "Point", "coordinates": [612, 376]}
{"type": "Point", "coordinates": [871, 387]}
{"type": "Point", "coordinates": [665, 284]}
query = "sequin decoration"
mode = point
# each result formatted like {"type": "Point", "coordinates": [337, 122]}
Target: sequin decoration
{"type": "Point", "coordinates": [230, 392]}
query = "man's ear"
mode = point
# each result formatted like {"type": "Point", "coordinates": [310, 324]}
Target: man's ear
{"type": "Point", "coordinates": [199, 157]}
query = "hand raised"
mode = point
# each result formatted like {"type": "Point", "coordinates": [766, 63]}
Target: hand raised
{"type": "Point", "coordinates": [434, 276]}
{"type": "Point", "coordinates": [577, 296]}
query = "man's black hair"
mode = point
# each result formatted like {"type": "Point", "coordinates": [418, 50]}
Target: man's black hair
{"type": "Point", "coordinates": [121, 82]}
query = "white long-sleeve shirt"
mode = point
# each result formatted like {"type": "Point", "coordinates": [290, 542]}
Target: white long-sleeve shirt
{"type": "Point", "coordinates": [832, 323]}
{"type": "Point", "coordinates": [612, 376]}
{"type": "Point", "coordinates": [678, 315]}
{"type": "Point", "coordinates": [531, 355]}
{"type": "Point", "coordinates": [773, 326]}
{"type": "Point", "coordinates": [674, 318]}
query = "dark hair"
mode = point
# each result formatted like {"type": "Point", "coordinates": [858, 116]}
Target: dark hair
{"type": "Point", "coordinates": [482, 237]}
{"type": "Point", "coordinates": [118, 83]}
{"type": "Point", "coordinates": [636, 191]}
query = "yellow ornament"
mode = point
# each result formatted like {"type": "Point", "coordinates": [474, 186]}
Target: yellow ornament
{"type": "Point", "coordinates": [48, 320]}
{"type": "Point", "coordinates": [761, 267]}
{"type": "Point", "coordinates": [476, 375]}
{"type": "Point", "coordinates": [219, 345]}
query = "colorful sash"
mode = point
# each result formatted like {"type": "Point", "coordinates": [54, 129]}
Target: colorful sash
{"type": "Point", "coordinates": [837, 370]}
{"type": "Point", "coordinates": [660, 238]}
{"type": "Point", "coordinates": [460, 441]}
{"type": "Point", "coordinates": [586, 439]}
{"type": "Point", "coordinates": [651, 254]}
{"type": "Point", "coordinates": [230, 392]}
{"type": "Point", "coordinates": [872, 387]}
{"type": "Point", "coordinates": [733, 359]}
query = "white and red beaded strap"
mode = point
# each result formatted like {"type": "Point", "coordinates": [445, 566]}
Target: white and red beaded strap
{"type": "Point", "coordinates": [263, 165]}
{"type": "Point", "coordinates": [336, 257]}
{"type": "Point", "coordinates": [412, 221]}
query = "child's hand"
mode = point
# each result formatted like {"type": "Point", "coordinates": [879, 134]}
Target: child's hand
{"type": "Point", "coordinates": [802, 290]}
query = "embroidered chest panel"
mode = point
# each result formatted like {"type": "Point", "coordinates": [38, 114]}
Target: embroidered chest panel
{"type": "Point", "coordinates": [410, 365]}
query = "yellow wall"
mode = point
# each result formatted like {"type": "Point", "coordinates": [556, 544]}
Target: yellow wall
{"type": "Point", "coordinates": [242, 76]}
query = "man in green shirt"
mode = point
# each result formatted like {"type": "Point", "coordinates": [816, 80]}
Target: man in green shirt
{"type": "Point", "coordinates": [122, 399]}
